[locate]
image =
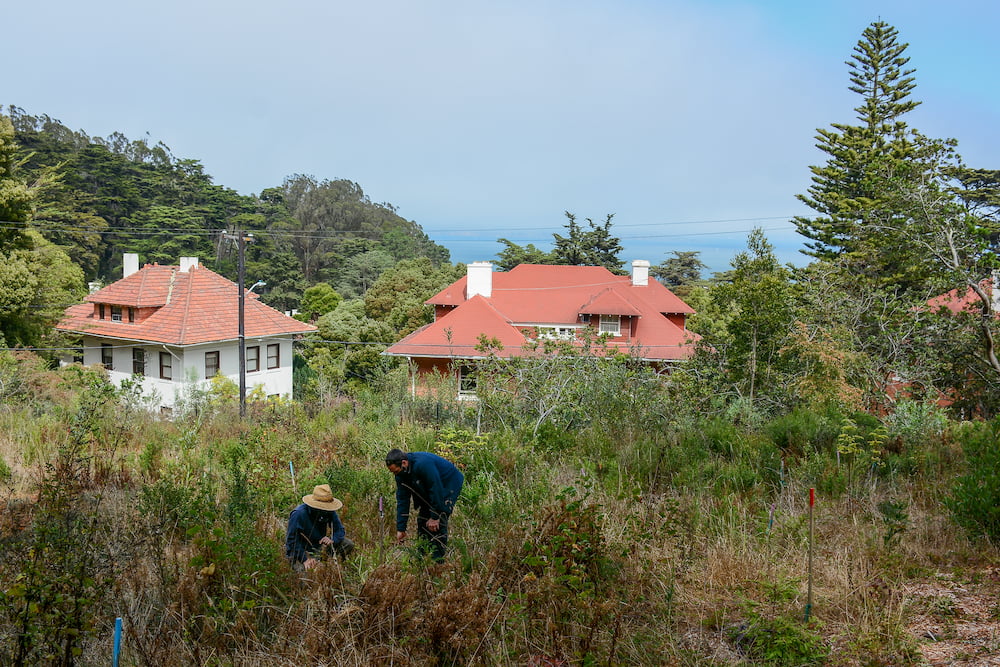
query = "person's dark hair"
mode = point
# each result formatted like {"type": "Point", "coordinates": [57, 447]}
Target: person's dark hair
{"type": "Point", "coordinates": [394, 457]}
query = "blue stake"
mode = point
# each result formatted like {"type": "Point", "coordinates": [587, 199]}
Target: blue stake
{"type": "Point", "coordinates": [118, 642]}
{"type": "Point", "coordinates": [291, 469]}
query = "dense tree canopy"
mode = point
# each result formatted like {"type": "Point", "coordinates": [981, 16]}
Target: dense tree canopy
{"type": "Point", "coordinates": [108, 196]}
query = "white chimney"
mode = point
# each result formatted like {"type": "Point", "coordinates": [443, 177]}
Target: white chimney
{"type": "Point", "coordinates": [995, 287]}
{"type": "Point", "coordinates": [130, 264]}
{"type": "Point", "coordinates": [480, 280]}
{"type": "Point", "coordinates": [640, 272]}
{"type": "Point", "coordinates": [188, 263]}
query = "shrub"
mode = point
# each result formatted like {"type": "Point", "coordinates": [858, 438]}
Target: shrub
{"type": "Point", "coordinates": [975, 496]}
{"type": "Point", "coordinates": [779, 641]}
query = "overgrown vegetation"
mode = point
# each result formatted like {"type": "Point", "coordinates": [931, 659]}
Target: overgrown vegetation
{"type": "Point", "coordinates": [613, 513]}
{"type": "Point", "coordinates": [684, 542]}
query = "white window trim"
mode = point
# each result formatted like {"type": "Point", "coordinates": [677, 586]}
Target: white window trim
{"type": "Point", "coordinates": [610, 324]}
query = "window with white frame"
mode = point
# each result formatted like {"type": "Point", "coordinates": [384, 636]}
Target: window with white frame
{"type": "Point", "coordinates": [253, 359]}
{"type": "Point", "coordinates": [211, 364]}
{"type": "Point", "coordinates": [611, 324]}
{"type": "Point", "coordinates": [466, 380]}
{"type": "Point", "coordinates": [166, 366]}
{"type": "Point", "coordinates": [562, 333]}
{"type": "Point", "coordinates": [138, 361]}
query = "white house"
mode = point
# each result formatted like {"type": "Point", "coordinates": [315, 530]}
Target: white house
{"type": "Point", "coordinates": [178, 325]}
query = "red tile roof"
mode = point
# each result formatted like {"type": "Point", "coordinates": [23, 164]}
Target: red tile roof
{"type": "Point", "coordinates": [969, 301]}
{"type": "Point", "coordinates": [189, 307]}
{"type": "Point", "coordinates": [544, 295]}
{"type": "Point", "coordinates": [457, 333]}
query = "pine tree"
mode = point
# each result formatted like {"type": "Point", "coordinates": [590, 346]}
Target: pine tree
{"type": "Point", "coordinates": [854, 193]}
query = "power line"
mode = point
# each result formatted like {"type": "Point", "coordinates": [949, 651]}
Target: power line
{"type": "Point", "coordinates": [313, 235]}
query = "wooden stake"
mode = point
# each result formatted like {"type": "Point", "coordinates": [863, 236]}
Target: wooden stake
{"type": "Point", "coordinates": [809, 596]}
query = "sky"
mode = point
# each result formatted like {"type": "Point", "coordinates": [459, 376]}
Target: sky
{"type": "Point", "coordinates": [692, 121]}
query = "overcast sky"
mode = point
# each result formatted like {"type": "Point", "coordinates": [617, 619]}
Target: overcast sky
{"type": "Point", "coordinates": [693, 121]}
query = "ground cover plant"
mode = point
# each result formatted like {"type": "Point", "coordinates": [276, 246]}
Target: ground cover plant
{"type": "Point", "coordinates": [685, 541]}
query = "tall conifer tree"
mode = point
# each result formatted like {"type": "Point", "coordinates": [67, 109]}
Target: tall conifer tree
{"type": "Point", "coordinates": [854, 193]}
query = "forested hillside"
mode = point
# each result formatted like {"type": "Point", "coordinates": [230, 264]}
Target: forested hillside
{"type": "Point", "coordinates": [106, 196]}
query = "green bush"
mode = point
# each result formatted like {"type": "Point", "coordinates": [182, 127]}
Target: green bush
{"type": "Point", "coordinates": [779, 641]}
{"type": "Point", "coordinates": [915, 423]}
{"type": "Point", "coordinates": [801, 430]}
{"type": "Point", "coordinates": [975, 496]}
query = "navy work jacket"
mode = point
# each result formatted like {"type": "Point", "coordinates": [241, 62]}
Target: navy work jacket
{"type": "Point", "coordinates": [306, 527]}
{"type": "Point", "coordinates": [432, 483]}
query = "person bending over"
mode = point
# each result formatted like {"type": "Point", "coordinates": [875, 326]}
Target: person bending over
{"type": "Point", "coordinates": [432, 484]}
{"type": "Point", "coordinates": [306, 540]}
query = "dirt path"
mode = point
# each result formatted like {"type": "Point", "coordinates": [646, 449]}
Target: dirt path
{"type": "Point", "coordinates": [957, 623]}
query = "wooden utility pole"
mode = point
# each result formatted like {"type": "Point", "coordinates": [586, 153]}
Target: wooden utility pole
{"type": "Point", "coordinates": [242, 238]}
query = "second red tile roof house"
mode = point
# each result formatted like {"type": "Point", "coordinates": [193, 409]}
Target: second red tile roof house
{"type": "Point", "coordinates": [636, 314]}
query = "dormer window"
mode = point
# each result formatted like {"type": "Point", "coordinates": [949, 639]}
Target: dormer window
{"type": "Point", "coordinates": [100, 311]}
{"type": "Point", "coordinates": [611, 325]}
{"type": "Point", "coordinates": [116, 313]}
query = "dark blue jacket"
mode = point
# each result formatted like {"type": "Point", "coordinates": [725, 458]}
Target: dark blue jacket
{"type": "Point", "coordinates": [306, 527]}
{"type": "Point", "coordinates": [431, 482]}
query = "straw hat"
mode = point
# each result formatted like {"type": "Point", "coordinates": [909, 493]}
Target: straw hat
{"type": "Point", "coordinates": [322, 499]}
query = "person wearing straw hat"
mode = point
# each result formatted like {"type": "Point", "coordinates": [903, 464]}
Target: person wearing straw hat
{"type": "Point", "coordinates": [306, 540]}
{"type": "Point", "coordinates": [433, 484]}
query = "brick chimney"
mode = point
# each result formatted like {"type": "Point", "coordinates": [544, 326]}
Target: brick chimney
{"type": "Point", "coordinates": [640, 272]}
{"type": "Point", "coordinates": [480, 279]}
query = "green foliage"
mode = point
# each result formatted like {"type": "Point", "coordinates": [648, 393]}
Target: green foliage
{"type": "Point", "coordinates": [975, 495]}
{"type": "Point", "coordinates": [683, 269]}
{"type": "Point", "coordinates": [37, 279]}
{"type": "Point", "coordinates": [593, 247]}
{"type": "Point", "coordinates": [580, 247]}
{"type": "Point", "coordinates": [58, 569]}
{"type": "Point", "coordinates": [397, 297]}
{"type": "Point", "coordinates": [847, 191]}
{"type": "Point", "coordinates": [569, 589]}
{"type": "Point", "coordinates": [318, 300]}
{"type": "Point", "coordinates": [16, 198]}
{"type": "Point", "coordinates": [896, 520]}
{"type": "Point", "coordinates": [917, 423]}
{"type": "Point", "coordinates": [760, 297]}
{"type": "Point", "coordinates": [513, 255]}
{"type": "Point", "coordinates": [780, 641]}
{"type": "Point", "coordinates": [802, 430]}
{"type": "Point", "coordinates": [350, 349]}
